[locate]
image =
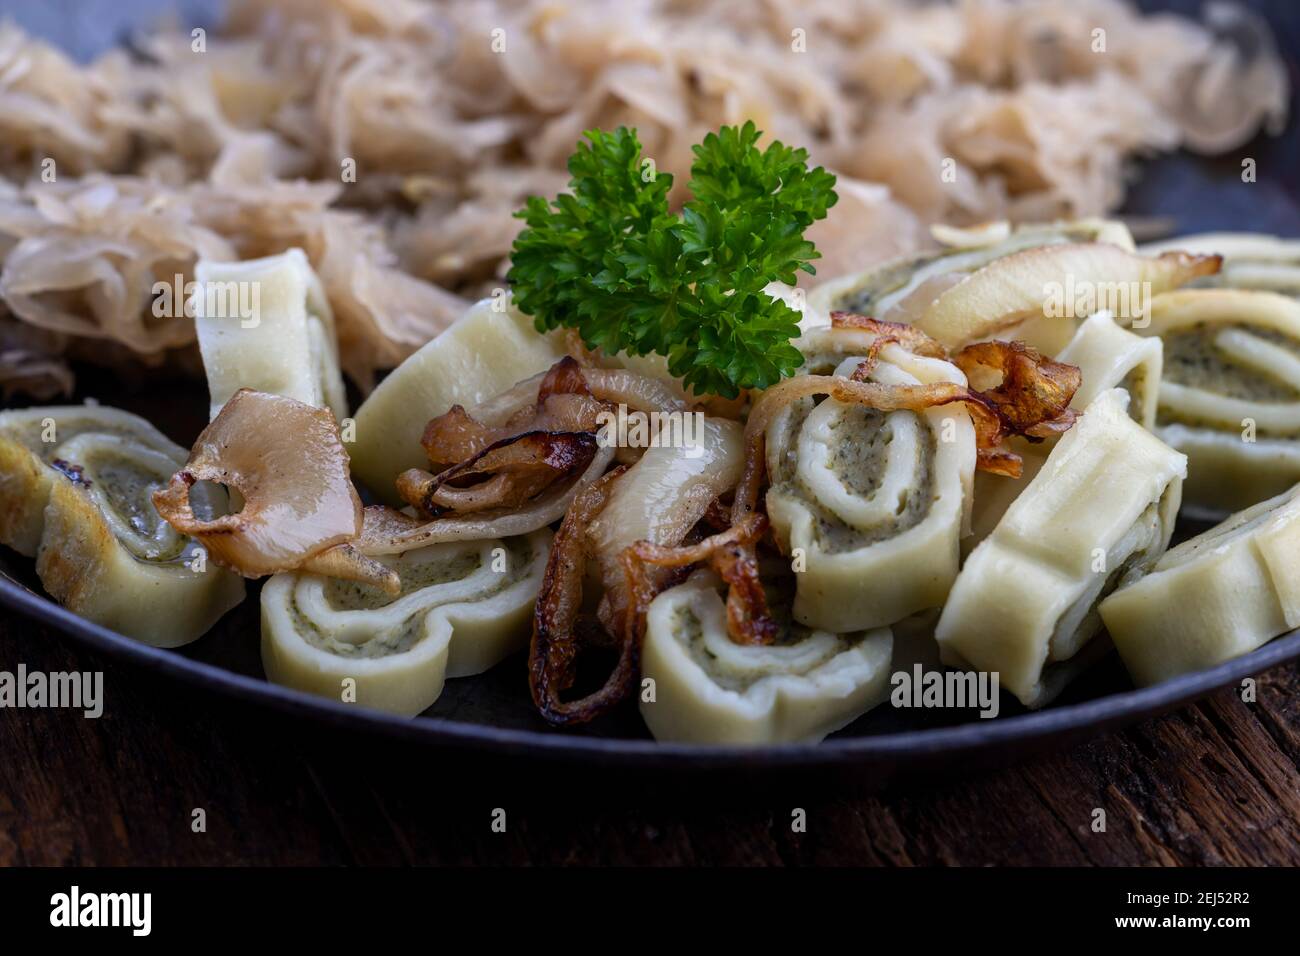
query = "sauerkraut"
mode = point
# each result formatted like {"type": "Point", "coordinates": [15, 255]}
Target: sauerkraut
{"type": "Point", "coordinates": [393, 139]}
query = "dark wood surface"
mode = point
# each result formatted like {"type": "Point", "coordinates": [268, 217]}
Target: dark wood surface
{"type": "Point", "coordinates": [1215, 783]}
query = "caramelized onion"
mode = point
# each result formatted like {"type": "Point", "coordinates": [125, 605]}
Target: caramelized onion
{"type": "Point", "coordinates": [286, 460]}
{"type": "Point", "coordinates": [388, 531]}
{"type": "Point", "coordinates": [732, 554]}
{"type": "Point", "coordinates": [346, 562]}
{"type": "Point", "coordinates": [1034, 394]}
{"type": "Point", "coordinates": [908, 336]}
{"type": "Point", "coordinates": [557, 632]}
{"type": "Point", "coordinates": [660, 499]}
{"type": "Point", "coordinates": [557, 401]}
{"type": "Point", "coordinates": [504, 475]}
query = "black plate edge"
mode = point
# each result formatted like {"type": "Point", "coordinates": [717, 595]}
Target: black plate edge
{"type": "Point", "coordinates": [1074, 721]}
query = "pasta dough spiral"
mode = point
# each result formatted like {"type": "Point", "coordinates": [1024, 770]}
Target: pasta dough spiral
{"type": "Point", "coordinates": [75, 486]}
{"type": "Point", "coordinates": [870, 505]}
{"type": "Point", "coordinates": [708, 689]}
{"type": "Point", "coordinates": [1214, 597]}
{"type": "Point", "coordinates": [1103, 503]}
{"type": "Point", "coordinates": [1230, 392]}
{"type": "Point", "coordinates": [464, 606]}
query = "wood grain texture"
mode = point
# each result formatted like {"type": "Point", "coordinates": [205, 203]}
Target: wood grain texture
{"type": "Point", "coordinates": [1217, 783]}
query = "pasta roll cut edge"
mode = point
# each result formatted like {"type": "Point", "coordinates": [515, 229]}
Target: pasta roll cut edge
{"type": "Point", "coordinates": [1104, 501]}
{"type": "Point", "coordinates": [152, 585]}
{"type": "Point", "coordinates": [1230, 393]}
{"type": "Point", "coordinates": [89, 572]}
{"type": "Point", "coordinates": [450, 627]}
{"type": "Point", "coordinates": [485, 352]}
{"type": "Point", "coordinates": [285, 345]}
{"type": "Point", "coordinates": [831, 680]}
{"type": "Point", "coordinates": [1216, 596]}
{"type": "Point", "coordinates": [1227, 474]}
{"type": "Point", "coordinates": [1109, 356]}
{"type": "Point", "coordinates": [810, 503]}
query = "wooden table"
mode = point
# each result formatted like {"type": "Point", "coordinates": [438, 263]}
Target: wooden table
{"type": "Point", "coordinates": [1216, 783]}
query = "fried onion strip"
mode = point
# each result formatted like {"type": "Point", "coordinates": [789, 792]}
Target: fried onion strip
{"type": "Point", "coordinates": [395, 533]}
{"type": "Point", "coordinates": [898, 333]}
{"type": "Point", "coordinates": [288, 463]}
{"type": "Point", "coordinates": [731, 554]}
{"type": "Point", "coordinates": [557, 639]}
{"type": "Point", "coordinates": [1033, 397]}
{"type": "Point", "coordinates": [506, 474]}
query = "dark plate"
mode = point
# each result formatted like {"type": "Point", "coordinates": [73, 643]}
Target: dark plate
{"type": "Point", "coordinates": [491, 714]}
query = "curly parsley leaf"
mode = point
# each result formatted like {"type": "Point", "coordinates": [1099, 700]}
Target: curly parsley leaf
{"type": "Point", "coordinates": [610, 260]}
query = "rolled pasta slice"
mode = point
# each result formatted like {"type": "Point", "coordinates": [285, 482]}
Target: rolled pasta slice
{"type": "Point", "coordinates": [1107, 357]}
{"type": "Point", "coordinates": [870, 505]}
{"type": "Point", "coordinates": [1230, 392]}
{"type": "Point", "coordinates": [483, 354]}
{"type": "Point", "coordinates": [1214, 597]}
{"type": "Point", "coordinates": [266, 324]}
{"type": "Point", "coordinates": [1103, 503]}
{"type": "Point", "coordinates": [914, 289]}
{"type": "Point", "coordinates": [1035, 287]}
{"type": "Point", "coordinates": [463, 607]}
{"type": "Point", "coordinates": [75, 486]}
{"type": "Point", "coordinates": [886, 288]}
{"type": "Point", "coordinates": [1250, 260]}
{"type": "Point", "coordinates": [709, 690]}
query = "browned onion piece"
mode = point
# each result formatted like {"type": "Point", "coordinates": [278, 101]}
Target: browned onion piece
{"type": "Point", "coordinates": [557, 631]}
{"type": "Point", "coordinates": [908, 336]}
{"type": "Point", "coordinates": [346, 562]}
{"type": "Point", "coordinates": [380, 523]}
{"type": "Point", "coordinates": [556, 401]}
{"type": "Point", "coordinates": [1034, 394]}
{"type": "Point", "coordinates": [286, 460]}
{"type": "Point", "coordinates": [640, 393]}
{"type": "Point", "coordinates": [732, 554]}
{"type": "Point", "coordinates": [504, 475]}
{"type": "Point", "coordinates": [396, 533]}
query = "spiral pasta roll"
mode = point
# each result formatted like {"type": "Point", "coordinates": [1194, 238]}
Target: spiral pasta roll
{"type": "Point", "coordinates": [881, 289]}
{"type": "Point", "coordinates": [1230, 392]}
{"type": "Point", "coordinates": [75, 486]}
{"type": "Point", "coordinates": [710, 690]}
{"type": "Point", "coordinates": [870, 505]}
{"type": "Point", "coordinates": [1214, 597]}
{"type": "Point", "coordinates": [463, 607]}
{"type": "Point", "coordinates": [1103, 504]}
{"type": "Point", "coordinates": [266, 324]}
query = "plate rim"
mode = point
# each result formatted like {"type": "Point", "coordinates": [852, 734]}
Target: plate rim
{"type": "Point", "coordinates": [1084, 718]}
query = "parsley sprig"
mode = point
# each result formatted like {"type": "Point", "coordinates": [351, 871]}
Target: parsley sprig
{"type": "Point", "coordinates": [610, 260]}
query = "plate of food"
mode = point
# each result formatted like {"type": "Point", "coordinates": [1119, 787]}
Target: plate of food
{"type": "Point", "coordinates": [712, 450]}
